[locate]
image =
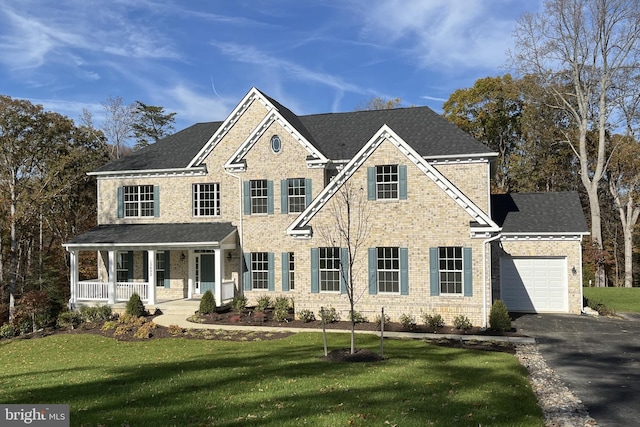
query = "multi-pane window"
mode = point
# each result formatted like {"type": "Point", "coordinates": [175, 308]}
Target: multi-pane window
{"type": "Point", "coordinates": [296, 194]}
{"type": "Point", "coordinates": [259, 196]}
{"type": "Point", "coordinates": [122, 266]}
{"type": "Point", "coordinates": [329, 268]}
{"type": "Point", "coordinates": [450, 269]}
{"type": "Point", "coordinates": [206, 199]}
{"type": "Point", "coordinates": [260, 270]}
{"type": "Point", "coordinates": [292, 269]}
{"type": "Point", "coordinates": [388, 270]}
{"type": "Point", "coordinates": [160, 268]}
{"type": "Point", "coordinates": [387, 182]}
{"type": "Point", "coordinates": [138, 200]}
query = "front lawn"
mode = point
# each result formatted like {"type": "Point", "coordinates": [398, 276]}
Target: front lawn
{"type": "Point", "coordinates": [623, 300]}
{"type": "Point", "coordinates": [190, 382]}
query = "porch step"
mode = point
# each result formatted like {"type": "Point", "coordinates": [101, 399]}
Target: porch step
{"type": "Point", "coordinates": [183, 307]}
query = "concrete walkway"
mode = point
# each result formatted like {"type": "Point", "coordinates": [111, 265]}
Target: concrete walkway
{"type": "Point", "coordinates": [180, 319]}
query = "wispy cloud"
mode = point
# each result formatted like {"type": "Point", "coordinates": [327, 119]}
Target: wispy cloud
{"type": "Point", "coordinates": [30, 36]}
{"type": "Point", "coordinates": [442, 33]}
{"type": "Point", "coordinates": [251, 55]}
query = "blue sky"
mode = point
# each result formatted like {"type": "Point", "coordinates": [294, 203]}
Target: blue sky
{"type": "Point", "coordinates": [198, 58]}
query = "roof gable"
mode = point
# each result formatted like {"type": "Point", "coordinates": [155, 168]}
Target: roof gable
{"type": "Point", "coordinates": [300, 226]}
{"type": "Point", "coordinates": [289, 122]}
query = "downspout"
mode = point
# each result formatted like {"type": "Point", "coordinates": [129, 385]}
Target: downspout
{"type": "Point", "coordinates": [240, 228]}
{"type": "Point", "coordinates": [484, 276]}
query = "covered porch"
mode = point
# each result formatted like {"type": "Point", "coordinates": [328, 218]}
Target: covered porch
{"type": "Point", "coordinates": [159, 262]}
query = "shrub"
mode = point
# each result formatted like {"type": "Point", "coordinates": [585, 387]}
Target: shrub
{"type": "Point", "coordinates": [69, 320]}
{"type": "Point", "coordinates": [408, 321]}
{"type": "Point", "coordinates": [264, 302]}
{"type": "Point", "coordinates": [357, 317]}
{"type": "Point", "coordinates": [239, 303]}
{"type": "Point", "coordinates": [145, 331]}
{"type": "Point", "coordinates": [329, 315]}
{"type": "Point", "coordinates": [499, 317]}
{"type": "Point", "coordinates": [462, 322]}
{"type": "Point", "coordinates": [135, 307]}
{"type": "Point", "coordinates": [175, 330]}
{"type": "Point", "coordinates": [281, 309]}
{"type": "Point", "coordinates": [207, 303]}
{"type": "Point", "coordinates": [109, 324]}
{"type": "Point", "coordinates": [306, 316]}
{"type": "Point", "coordinates": [433, 321]}
{"type": "Point", "coordinates": [97, 313]}
{"type": "Point", "coordinates": [7, 331]}
{"type": "Point", "coordinates": [378, 320]}
{"type": "Point", "coordinates": [259, 316]}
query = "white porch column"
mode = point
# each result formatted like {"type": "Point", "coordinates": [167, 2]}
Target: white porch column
{"type": "Point", "coordinates": [218, 273]}
{"type": "Point", "coordinates": [113, 277]}
{"type": "Point", "coordinates": [75, 277]}
{"type": "Point", "coordinates": [191, 268]}
{"type": "Point", "coordinates": [151, 290]}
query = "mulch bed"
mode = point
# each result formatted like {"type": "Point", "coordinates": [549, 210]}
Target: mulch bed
{"type": "Point", "coordinates": [250, 318]}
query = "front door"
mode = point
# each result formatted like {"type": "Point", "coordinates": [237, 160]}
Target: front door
{"type": "Point", "coordinates": [205, 273]}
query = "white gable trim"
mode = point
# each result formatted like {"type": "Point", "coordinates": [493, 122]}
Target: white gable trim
{"type": "Point", "coordinates": [236, 162]}
{"type": "Point", "coordinates": [231, 120]}
{"type": "Point", "coordinates": [300, 226]}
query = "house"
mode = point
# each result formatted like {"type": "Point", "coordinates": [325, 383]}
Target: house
{"type": "Point", "coordinates": [246, 205]}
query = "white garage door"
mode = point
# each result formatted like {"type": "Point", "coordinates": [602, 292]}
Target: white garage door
{"type": "Point", "coordinates": [534, 285]}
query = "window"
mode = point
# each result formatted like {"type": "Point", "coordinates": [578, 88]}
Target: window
{"type": "Point", "coordinates": [260, 270]}
{"type": "Point", "coordinates": [388, 270]}
{"type": "Point", "coordinates": [296, 196]}
{"type": "Point", "coordinates": [160, 268]}
{"type": "Point", "coordinates": [450, 268]}
{"type": "Point", "coordinates": [276, 144]}
{"type": "Point", "coordinates": [138, 200]}
{"type": "Point", "coordinates": [206, 199]}
{"type": "Point", "coordinates": [329, 268]}
{"type": "Point", "coordinates": [259, 196]}
{"type": "Point", "coordinates": [123, 263]}
{"type": "Point", "coordinates": [292, 269]}
{"type": "Point", "coordinates": [387, 182]}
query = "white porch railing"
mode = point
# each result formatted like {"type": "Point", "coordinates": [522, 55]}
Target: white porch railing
{"type": "Point", "coordinates": [228, 290]}
{"type": "Point", "coordinates": [124, 290]}
{"type": "Point", "coordinates": [93, 290]}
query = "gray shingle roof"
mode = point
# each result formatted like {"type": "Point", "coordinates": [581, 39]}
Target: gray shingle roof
{"type": "Point", "coordinates": [174, 151]}
{"type": "Point", "coordinates": [338, 136]}
{"type": "Point", "coordinates": [123, 234]}
{"type": "Point", "coordinates": [539, 212]}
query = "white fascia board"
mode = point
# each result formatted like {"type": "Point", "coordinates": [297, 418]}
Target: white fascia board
{"type": "Point", "coordinates": [138, 246]}
{"type": "Point", "coordinates": [386, 133]}
{"type": "Point", "coordinates": [228, 123]}
{"type": "Point", "coordinates": [190, 171]}
{"type": "Point", "coordinates": [461, 158]}
{"type": "Point", "coordinates": [273, 115]}
{"type": "Point", "coordinates": [543, 236]}
{"type": "Point", "coordinates": [235, 162]}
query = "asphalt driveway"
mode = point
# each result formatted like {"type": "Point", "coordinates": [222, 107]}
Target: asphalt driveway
{"type": "Point", "coordinates": [597, 358]}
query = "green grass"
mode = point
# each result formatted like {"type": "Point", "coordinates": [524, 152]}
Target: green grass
{"type": "Point", "coordinates": [188, 382]}
{"type": "Point", "coordinates": [623, 300]}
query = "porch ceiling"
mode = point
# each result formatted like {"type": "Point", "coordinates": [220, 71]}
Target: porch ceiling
{"type": "Point", "coordinates": [154, 235]}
